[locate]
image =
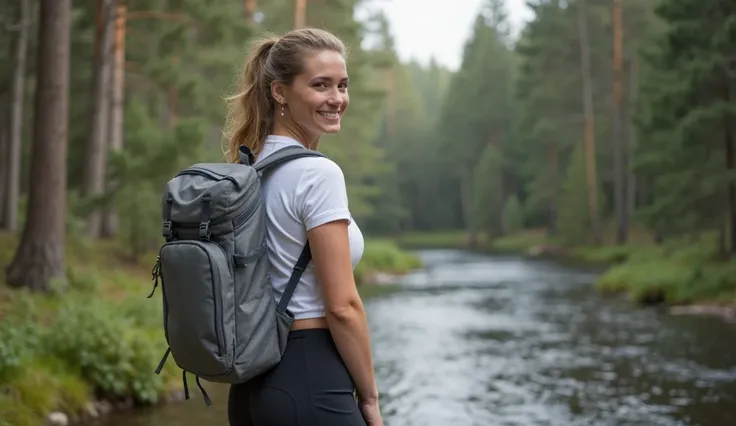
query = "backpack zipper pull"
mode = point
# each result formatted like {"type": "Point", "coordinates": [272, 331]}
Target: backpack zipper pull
{"type": "Point", "coordinates": [155, 274]}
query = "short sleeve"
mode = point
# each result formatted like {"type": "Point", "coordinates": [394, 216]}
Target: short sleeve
{"type": "Point", "coordinates": [322, 195]}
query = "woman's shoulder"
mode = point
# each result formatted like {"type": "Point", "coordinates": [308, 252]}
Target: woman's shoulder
{"type": "Point", "coordinates": [317, 169]}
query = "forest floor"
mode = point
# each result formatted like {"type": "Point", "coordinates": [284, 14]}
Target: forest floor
{"type": "Point", "coordinates": [91, 344]}
{"type": "Point", "coordinates": [687, 275]}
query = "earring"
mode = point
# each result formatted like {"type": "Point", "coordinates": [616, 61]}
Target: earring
{"type": "Point", "coordinates": [282, 110]}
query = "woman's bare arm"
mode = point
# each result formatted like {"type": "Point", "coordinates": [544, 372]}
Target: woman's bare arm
{"type": "Point", "coordinates": [343, 308]}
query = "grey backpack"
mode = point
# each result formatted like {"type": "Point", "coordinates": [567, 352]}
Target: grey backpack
{"type": "Point", "coordinates": [219, 315]}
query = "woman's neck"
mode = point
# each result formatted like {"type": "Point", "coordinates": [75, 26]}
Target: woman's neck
{"type": "Point", "coordinates": [283, 129]}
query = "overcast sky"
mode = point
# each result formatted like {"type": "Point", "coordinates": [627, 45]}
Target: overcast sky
{"type": "Point", "coordinates": [426, 28]}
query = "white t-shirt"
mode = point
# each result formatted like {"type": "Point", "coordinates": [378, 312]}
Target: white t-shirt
{"type": "Point", "coordinates": [300, 195]}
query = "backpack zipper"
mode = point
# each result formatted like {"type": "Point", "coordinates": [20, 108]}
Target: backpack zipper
{"type": "Point", "coordinates": [196, 171]}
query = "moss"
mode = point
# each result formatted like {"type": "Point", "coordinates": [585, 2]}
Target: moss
{"type": "Point", "coordinates": [39, 386]}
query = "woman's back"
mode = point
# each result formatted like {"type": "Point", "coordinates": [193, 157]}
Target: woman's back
{"type": "Point", "coordinates": [300, 195]}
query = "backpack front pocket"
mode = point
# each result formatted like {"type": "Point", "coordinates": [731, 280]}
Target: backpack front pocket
{"type": "Point", "coordinates": [194, 276]}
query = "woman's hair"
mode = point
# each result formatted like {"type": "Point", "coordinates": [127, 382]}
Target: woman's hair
{"type": "Point", "coordinates": [251, 111]}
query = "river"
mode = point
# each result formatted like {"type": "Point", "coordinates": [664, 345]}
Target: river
{"type": "Point", "coordinates": [473, 340]}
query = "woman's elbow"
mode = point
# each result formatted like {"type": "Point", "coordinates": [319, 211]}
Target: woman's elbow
{"type": "Point", "coordinates": [345, 311]}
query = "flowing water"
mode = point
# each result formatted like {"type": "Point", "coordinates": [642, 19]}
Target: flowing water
{"type": "Point", "coordinates": [473, 340]}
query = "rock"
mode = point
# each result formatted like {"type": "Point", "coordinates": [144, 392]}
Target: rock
{"type": "Point", "coordinates": [381, 278]}
{"type": "Point", "coordinates": [91, 410]}
{"type": "Point", "coordinates": [57, 419]}
{"type": "Point", "coordinates": [104, 407]}
{"type": "Point", "coordinates": [125, 404]}
{"type": "Point", "coordinates": [725, 312]}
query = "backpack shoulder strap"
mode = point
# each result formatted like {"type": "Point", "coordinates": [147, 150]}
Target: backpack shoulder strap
{"type": "Point", "coordinates": [284, 155]}
{"type": "Point", "coordinates": [274, 160]}
{"type": "Point", "coordinates": [299, 268]}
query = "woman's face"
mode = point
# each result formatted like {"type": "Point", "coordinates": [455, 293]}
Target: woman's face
{"type": "Point", "coordinates": [318, 97]}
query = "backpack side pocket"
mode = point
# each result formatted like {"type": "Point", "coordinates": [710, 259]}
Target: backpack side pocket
{"type": "Point", "coordinates": [195, 282]}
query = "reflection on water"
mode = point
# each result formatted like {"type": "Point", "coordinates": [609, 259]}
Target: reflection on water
{"type": "Point", "coordinates": [477, 341]}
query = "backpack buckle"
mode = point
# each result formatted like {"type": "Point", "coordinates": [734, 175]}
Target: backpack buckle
{"type": "Point", "coordinates": [167, 229]}
{"type": "Point", "coordinates": [204, 230]}
{"type": "Point", "coordinates": [204, 224]}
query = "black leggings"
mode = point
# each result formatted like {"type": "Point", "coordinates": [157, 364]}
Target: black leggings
{"type": "Point", "coordinates": [309, 387]}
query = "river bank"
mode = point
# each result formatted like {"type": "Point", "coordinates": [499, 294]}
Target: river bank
{"type": "Point", "coordinates": [686, 276]}
{"type": "Point", "coordinates": [90, 346]}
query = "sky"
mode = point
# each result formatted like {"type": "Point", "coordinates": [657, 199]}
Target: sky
{"type": "Point", "coordinates": [438, 28]}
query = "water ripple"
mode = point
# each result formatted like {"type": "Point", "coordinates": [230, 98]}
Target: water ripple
{"type": "Point", "coordinates": [474, 341]}
{"type": "Point", "coordinates": [478, 341]}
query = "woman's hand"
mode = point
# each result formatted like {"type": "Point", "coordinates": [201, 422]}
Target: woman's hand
{"type": "Point", "coordinates": [371, 412]}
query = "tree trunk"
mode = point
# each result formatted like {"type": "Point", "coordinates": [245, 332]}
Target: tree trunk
{"type": "Point", "coordinates": [590, 151]}
{"type": "Point", "coordinates": [498, 228]}
{"type": "Point", "coordinates": [619, 166]}
{"type": "Point", "coordinates": [467, 206]}
{"type": "Point", "coordinates": [4, 147]}
{"type": "Point", "coordinates": [96, 159]}
{"type": "Point", "coordinates": [40, 255]}
{"type": "Point", "coordinates": [250, 10]}
{"type": "Point", "coordinates": [12, 184]}
{"type": "Point", "coordinates": [631, 143]}
{"type": "Point", "coordinates": [730, 163]}
{"type": "Point", "coordinates": [553, 179]}
{"type": "Point", "coordinates": [110, 220]}
{"type": "Point", "coordinates": [300, 14]}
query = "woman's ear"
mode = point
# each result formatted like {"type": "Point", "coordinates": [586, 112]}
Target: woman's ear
{"type": "Point", "coordinates": [278, 92]}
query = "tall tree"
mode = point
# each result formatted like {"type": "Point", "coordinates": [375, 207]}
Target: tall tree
{"type": "Point", "coordinates": [13, 159]}
{"type": "Point", "coordinates": [249, 10]}
{"type": "Point", "coordinates": [40, 255]}
{"type": "Point", "coordinates": [97, 144]}
{"type": "Point", "coordinates": [590, 146]}
{"type": "Point", "coordinates": [686, 109]}
{"type": "Point", "coordinates": [300, 13]}
{"type": "Point", "coordinates": [117, 107]}
{"type": "Point", "coordinates": [619, 143]}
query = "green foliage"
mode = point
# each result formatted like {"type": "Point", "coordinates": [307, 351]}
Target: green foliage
{"type": "Point", "coordinates": [384, 256]}
{"type": "Point", "coordinates": [435, 239]}
{"type": "Point", "coordinates": [17, 343]}
{"type": "Point", "coordinates": [670, 279]}
{"type": "Point", "coordinates": [513, 215]}
{"type": "Point", "coordinates": [683, 117]}
{"type": "Point", "coordinates": [573, 220]}
{"type": "Point", "coordinates": [109, 345]}
{"type": "Point", "coordinates": [151, 158]}
{"type": "Point", "coordinates": [112, 352]}
{"type": "Point", "coordinates": [486, 192]}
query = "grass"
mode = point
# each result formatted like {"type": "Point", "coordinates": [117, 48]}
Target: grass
{"type": "Point", "coordinates": [384, 256]}
{"type": "Point", "coordinates": [685, 271]}
{"type": "Point", "coordinates": [98, 337]}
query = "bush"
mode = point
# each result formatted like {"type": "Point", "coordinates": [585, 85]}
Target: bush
{"type": "Point", "coordinates": [112, 352]}
{"type": "Point", "coordinates": [672, 276]}
{"type": "Point", "coordinates": [385, 256]}
{"type": "Point", "coordinates": [92, 346]}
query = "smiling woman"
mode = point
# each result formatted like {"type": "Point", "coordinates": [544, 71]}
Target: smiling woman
{"type": "Point", "coordinates": [318, 97]}
{"type": "Point", "coordinates": [295, 90]}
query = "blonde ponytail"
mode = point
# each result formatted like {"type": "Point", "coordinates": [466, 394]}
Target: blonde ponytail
{"type": "Point", "coordinates": [250, 114]}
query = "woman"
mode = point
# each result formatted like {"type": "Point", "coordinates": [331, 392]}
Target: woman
{"type": "Point", "coordinates": [296, 90]}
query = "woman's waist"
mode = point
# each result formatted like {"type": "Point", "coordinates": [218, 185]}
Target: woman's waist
{"type": "Point", "coordinates": [308, 323]}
